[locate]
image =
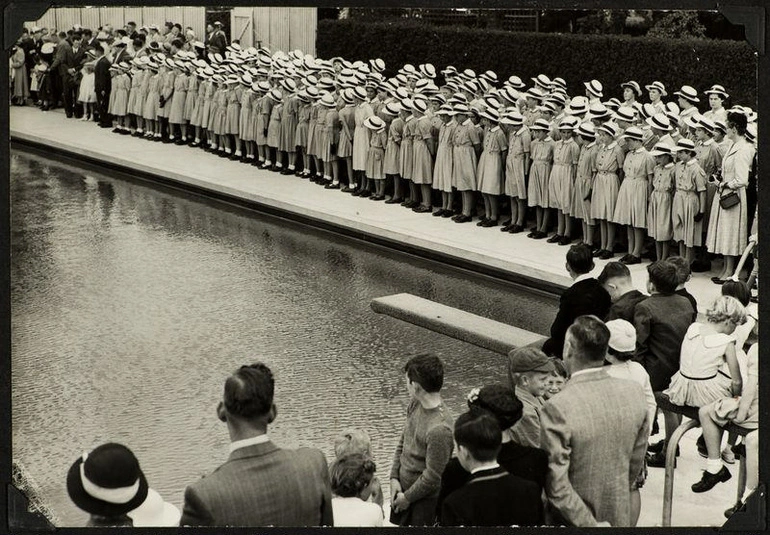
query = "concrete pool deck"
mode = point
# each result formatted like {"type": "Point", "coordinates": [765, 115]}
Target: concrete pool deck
{"type": "Point", "coordinates": [513, 257]}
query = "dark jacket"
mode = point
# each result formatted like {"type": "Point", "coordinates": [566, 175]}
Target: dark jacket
{"type": "Point", "coordinates": [494, 498]}
{"type": "Point", "coordinates": [587, 296]}
{"type": "Point", "coordinates": [218, 42]}
{"type": "Point", "coordinates": [623, 308]}
{"type": "Point", "coordinates": [102, 78]}
{"type": "Point", "coordinates": [121, 56]}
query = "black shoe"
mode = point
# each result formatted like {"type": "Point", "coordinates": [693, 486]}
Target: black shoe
{"type": "Point", "coordinates": [356, 193]}
{"type": "Point", "coordinates": [738, 507]}
{"type": "Point", "coordinates": [366, 193]}
{"type": "Point", "coordinates": [597, 253]}
{"type": "Point", "coordinates": [332, 186]}
{"type": "Point", "coordinates": [565, 240]}
{"type": "Point", "coordinates": [422, 209]}
{"type": "Point", "coordinates": [658, 460]}
{"type": "Point", "coordinates": [709, 480]}
{"type": "Point", "coordinates": [463, 219]}
{"type": "Point", "coordinates": [438, 213]}
{"type": "Point", "coordinates": [506, 223]}
{"type": "Point", "coordinates": [515, 229]}
{"type": "Point", "coordinates": [447, 213]}
{"type": "Point", "coordinates": [539, 235]}
{"type": "Point", "coordinates": [659, 447]}
{"type": "Point", "coordinates": [287, 172]}
{"type": "Point", "coordinates": [554, 239]}
{"type": "Point", "coordinates": [631, 260]}
{"type": "Point", "coordinates": [489, 223]}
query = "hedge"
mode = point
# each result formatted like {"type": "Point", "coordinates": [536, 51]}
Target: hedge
{"type": "Point", "coordinates": [611, 59]}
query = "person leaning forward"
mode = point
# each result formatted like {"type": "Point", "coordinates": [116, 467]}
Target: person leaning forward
{"type": "Point", "coordinates": [260, 484]}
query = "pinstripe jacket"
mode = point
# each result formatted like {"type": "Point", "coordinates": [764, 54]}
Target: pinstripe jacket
{"type": "Point", "coordinates": [263, 485]}
{"type": "Point", "coordinates": [595, 432]}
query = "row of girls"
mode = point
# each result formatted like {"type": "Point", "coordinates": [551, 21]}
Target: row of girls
{"type": "Point", "coordinates": [656, 168]}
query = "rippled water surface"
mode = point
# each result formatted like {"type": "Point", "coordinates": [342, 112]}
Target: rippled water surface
{"type": "Point", "coordinates": [132, 304]}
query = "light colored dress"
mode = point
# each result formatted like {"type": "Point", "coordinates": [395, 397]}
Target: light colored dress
{"type": "Point", "coordinates": [584, 182]}
{"type": "Point", "coordinates": [699, 380]}
{"type": "Point", "coordinates": [303, 121]}
{"type": "Point", "coordinates": [87, 91]}
{"type": "Point", "coordinates": [491, 164]}
{"type": "Point", "coordinates": [166, 91]}
{"type": "Point", "coordinates": [289, 121]}
{"type": "Point", "coordinates": [406, 153]}
{"type": "Point", "coordinates": [726, 409]}
{"type": "Point", "coordinates": [133, 90]}
{"type": "Point", "coordinates": [464, 161]}
{"type": "Point", "coordinates": [690, 181]}
{"type": "Point", "coordinates": [141, 97]}
{"type": "Point", "coordinates": [176, 113]}
{"type": "Point", "coordinates": [192, 97]}
{"type": "Point", "coordinates": [348, 124]}
{"type": "Point", "coordinates": [422, 163]}
{"type": "Point", "coordinates": [219, 112]}
{"type": "Point", "coordinates": [710, 160]}
{"type": "Point", "coordinates": [200, 103]}
{"type": "Point", "coordinates": [319, 139]}
{"type": "Point", "coordinates": [361, 136]}
{"type": "Point", "coordinates": [566, 155]}
{"type": "Point", "coordinates": [392, 165]}
{"type": "Point", "coordinates": [19, 74]}
{"type": "Point", "coordinates": [519, 144]}
{"type": "Point", "coordinates": [540, 172]}
{"type": "Point", "coordinates": [631, 208]}
{"type": "Point", "coordinates": [727, 230]}
{"type": "Point", "coordinates": [120, 87]}
{"type": "Point", "coordinates": [376, 156]}
{"type": "Point", "coordinates": [274, 126]}
{"type": "Point", "coordinates": [311, 128]}
{"type": "Point", "coordinates": [442, 172]}
{"type": "Point", "coordinates": [659, 226]}
{"type": "Point", "coordinates": [150, 110]}
{"type": "Point", "coordinates": [245, 128]}
{"type": "Point", "coordinates": [356, 513]}
{"type": "Point", "coordinates": [233, 113]}
{"type": "Point", "coordinates": [331, 136]}
{"type": "Point", "coordinates": [609, 159]}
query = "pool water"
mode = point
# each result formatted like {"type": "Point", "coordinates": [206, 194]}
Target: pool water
{"type": "Point", "coordinates": [132, 303]}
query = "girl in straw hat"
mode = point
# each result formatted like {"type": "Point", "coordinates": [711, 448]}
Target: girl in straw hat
{"type": "Point", "coordinates": [406, 152]}
{"type": "Point", "coordinates": [392, 164]}
{"type": "Point", "coordinates": [609, 168]}
{"type": "Point", "coordinates": [193, 81]}
{"type": "Point", "coordinates": [219, 111]}
{"type": "Point", "coordinates": [565, 160]}
{"type": "Point", "coordinates": [584, 180]}
{"type": "Point", "coordinates": [516, 168]}
{"type": "Point", "coordinates": [166, 93]}
{"type": "Point", "coordinates": [442, 172]}
{"type": "Point", "coordinates": [361, 139]}
{"type": "Point", "coordinates": [245, 126]}
{"type": "Point", "coordinates": [274, 128]}
{"type": "Point", "coordinates": [233, 117]}
{"type": "Point", "coordinates": [423, 150]}
{"type": "Point", "coordinates": [312, 164]}
{"type": "Point", "coordinates": [133, 109]}
{"type": "Point", "coordinates": [208, 103]}
{"type": "Point", "coordinates": [689, 204]}
{"type": "Point", "coordinates": [197, 117]}
{"type": "Point", "coordinates": [176, 122]}
{"type": "Point", "coordinates": [375, 158]}
{"type": "Point", "coordinates": [120, 86]}
{"type": "Point", "coordinates": [300, 134]}
{"type": "Point", "coordinates": [289, 119]}
{"type": "Point", "coordinates": [466, 145]}
{"type": "Point", "coordinates": [331, 137]}
{"type": "Point", "coordinates": [263, 120]}
{"type": "Point", "coordinates": [659, 226]}
{"type": "Point", "coordinates": [348, 126]}
{"type": "Point", "coordinates": [320, 142]}
{"type": "Point", "coordinates": [491, 166]}
{"type": "Point", "coordinates": [539, 176]}
{"type": "Point", "coordinates": [150, 108]}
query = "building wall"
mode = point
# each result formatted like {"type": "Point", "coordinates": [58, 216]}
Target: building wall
{"type": "Point", "coordinates": [278, 28]}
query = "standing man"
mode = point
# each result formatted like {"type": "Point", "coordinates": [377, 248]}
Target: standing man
{"type": "Point", "coordinates": [591, 467]}
{"type": "Point", "coordinates": [218, 41]}
{"type": "Point", "coordinates": [102, 86]}
{"type": "Point", "coordinates": [260, 484]}
{"type": "Point", "coordinates": [67, 63]}
{"type": "Point", "coordinates": [120, 50]}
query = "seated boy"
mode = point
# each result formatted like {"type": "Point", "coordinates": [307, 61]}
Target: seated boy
{"type": "Point", "coordinates": [684, 273]}
{"type": "Point", "coordinates": [528, 371]}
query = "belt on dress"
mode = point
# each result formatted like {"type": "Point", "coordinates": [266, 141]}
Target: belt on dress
{"type": "Point", "coordinates": [697, 378]}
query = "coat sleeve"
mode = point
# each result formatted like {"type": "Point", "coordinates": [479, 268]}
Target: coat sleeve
{"type": "Point", "coordinates": [640, 449]}
{"type": "Point", "coordinates": [327, 517]}
{"type": "Point", "coordinates": [743, 159]}
{"type": "Point", "coordinates": [643, 325]}
{"type": "Point", "coordinates": [555, 344]}
{"type": "Point", "coordinates": [195, 512]}
{"type": "Point", "coordinates": [556, 440]}
{"type": "Point", "coordinates": [438, 452]}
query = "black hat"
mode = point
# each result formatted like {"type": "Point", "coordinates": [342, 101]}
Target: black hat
{"type": "Point", "coordinates": [500, 400]}
{"type": "Point", "coordinates": [107, 481]}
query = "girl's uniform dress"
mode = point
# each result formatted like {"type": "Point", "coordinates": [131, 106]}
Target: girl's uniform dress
{"type": "Point", "coordinates": [289, 121]}
{"type": "Point", "coordinates": [150, 110]}
{"type": "Point", "coordinates": [256, 103]}
{"type": "Point", "coordinates": [406, 153]}
{"type": "Point", "coordinates": [319, 138]}
{"type": "Point", "coordinates": [375, 159]}
{"type": "Point", "coordinates": [631, 208]}
{"type": "Point", "coordinates": [331, 136]}
{"type": "Point", "coordinates": [176, 113]}
{"type": "Point", "coordinates": [303, 121]}
{"type": "Point", "coordinates": [219, 111]}
{"type": "Point", "coordinates": [584, 182]}
{"type": "Point", "coordinates": [519, 144]}
{"type": "Point", "coordinates": [539, 173]}
{"type": "Point", "coordinates": [392, 163]}
{"type": "Point", "coordinates": [141, 98]}
{"type": "Point", "coordinates": [710, 160]}
{"type": "Point", "coordinates": [87, 91]}
{"type": "Point", "coordinates": [699, 380]}
{"type": "Point", "coordinates": [659, 226]}
{"type": "Point", "coordinates": [166, 91]}
{"type": "Point", "coordinates": [233, 110]}
{"type": "Point", "coordinates": [361, 136]}
{"type": "Point", "coordinates": [274, 126]}
{"type": "Point", "coordinates": [566, 154]}
{"type": "Point", "coordinates": [464, 161]}
{"type": "Point", "coordinates": [192, 97]}
{"type": "Point", "coordinates": [311, 128]}
{"type": "Point", "coordinates": [263, 119]}
{"type": "Point", "coordinates": [196, 119]}
{"type": "Point", "coordinates": [491, 163]}
{"type": "Point", "coordinates": [442, 171]}
{"type": "Point", "coordinates": [728, 228]}
{"type": "Point", "coordinates": [120, 86]}
{"type": "Point", "coordinates": [609, 159]}
{"type": "Point", "coordinates": [422, 166]}
{"type": "Point", "coordinates": [348, 124]}
{"type": "Point", "coordinates": [690, 181]}
{"type": "Point", "coordinates": [245, 127]}
{"type": "Point", "coordinates": [208, 105]}
{"type": "Point", "coordinates": [133, 89]}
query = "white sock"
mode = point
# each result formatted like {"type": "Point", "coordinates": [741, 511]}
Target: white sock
{"type": "Point", "coordinates": [291, 167]}
{"type": "Point", "coordinates": [713, 466]}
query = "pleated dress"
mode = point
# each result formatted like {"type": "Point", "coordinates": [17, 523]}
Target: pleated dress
{"type": "Point", "coordinates": [566, 154]}
{"type": "Point", "coordinates": [491, 164]}
{"type": "Point", "coordinates": [609, 160]}
{"type": "Point", "coordinates": [245, 128]}
{"type": "Point", "coordinates": [233, 115]}
{"type": "Point", "coordinates": [442, 171]}
{"type": "Point", "coordinates": [464, 161]}
{"type": "Point", "coordinates": [690, 181]}
{"type": "Point", "coordinates": [150, 106]}
{"type": "Point", "coordinates": [192, 97]}
{"type": "Point", "coordinates": [659, 226]}
{"type": "Point", "coordinates": [375, 158]}
{"type": "Point", "coordinates": [519, 145]}
{"type": "Point", "coordinates": [274, 126]}
{"type": "Point", "coordinates": [303, 122]}
{"type": "Point", "coordinates": [348, 124]}
{"type": "Point", "coordinates": [540, 172]}
{"type": "Point", "coordinates": [422, 163]}
{"type": "Point", "coordinates": [289, 121]}
{"type": "Point", "coordinates": [361, 136]}
{"type": "Point", "coordinates": [584, 181]}
{"type": "Point", "coordinates": [392, 164]}
{"type": "Point", "coordinates": [178, 99]}
{"type": "Point", "coordinates": [631, 208]}
{"type": "Point", "coordinates": [406, 153]}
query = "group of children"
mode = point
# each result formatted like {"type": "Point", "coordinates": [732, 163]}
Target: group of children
{"type": "Point", "coordinates": [595, 165]}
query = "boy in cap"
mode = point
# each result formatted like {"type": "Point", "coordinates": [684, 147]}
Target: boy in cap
{"type": "Point", "coordinates": [528, 371]}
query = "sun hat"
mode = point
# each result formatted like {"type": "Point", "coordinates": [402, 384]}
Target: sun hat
{"type": "Point", "coordinates": [327, 100]}
{"type": "Point", "coordinates": [406, 104]}
{"type": "Point", "coordinates": [706, 123]}
{"type": "Point", "coordinates": [634, 133]}
{"type": "Point", "coordinates": [401, 93]}
{"type": "Point", "coordinates": [692, 120]}
{"type": "Point", "coordinates": [609, 129]}
{"type": "Point", "coordinates": [275, 95]}
{"type": "Point", "coordinates": [489, 76]}
{"type": "Point", "coordinates": [392, 108]}
{"type": "Point", "coordinates": [491, 102]}
{"type": "Point", "coordinates": [445, 109]}
{"type": "Point", "coordinates": [359, 93]}
{"type": "Point", "coordinates": [594, 87]}
{"type": "Point", "coordinates": [419, 105]}
{"type": "Point", "coordinates": [625, 113]}
{"type": "Point", "coordinates": [540, 124]}
{"type": "Point", "coordinates": [720, 125]}
{"type": "Point", "coordinates": [751, 132]}
{"type": "Point", "coordinates": [547, 106]}
{"type": "Point", "coordinates": [559, 83]}
{"type": "Point", "coordinates": [535, 93]}
{"type": "Point", "coordinates": [586, 129]}
{"type": "Point", "coordinates": [685, 144]}
{"type": "Point", "coordinates": [577, 106]}
{"type": "Point", "coordinates": [688, 93]}
{"type": "Point", "coordinates": [598, 111]}
{"type": "Point", "coordinates": [246, 79]}
{"type": "Point", "coordinates": [529, 359]}
{"type": "Point", "coordinates": [515, 82]}
{"type": "Point", "coordinates": [660, 121]}
{"type": "Point", "coordinates": [469, 74]}
{"type": "Point", "coordinates": [491, 114]}
{"type": "Point", "coordinates": [428, 70]}
{"type": "Point", "coordinates": [449, 70]}
{"type": "Point", "coordinates": [154, 512]}
{"type": "Point", "coordinates": [542, 80]}
{"type": "Point", "coordinates": [661, 149]}
{"type": "Point", "coordinates": [648, 110]}
{"type": "Point", "coordinates": [462, 108]}
{"type": "Point", "coordinates": [500, 401]}
{"type": "Point", "coordinates": [374, 123]}
{"type": "Point", "coordinates": [289, 85]}
{"type": "Point", "coordinates": [717, 89]}
{"type": "Point", "coordinates": [622, 336]}
{"type": "Point", "coordinates": [438, 97]}
{"type": "Point", "coordinates": [420, 85]}
{"type": "Point", "coordinates": [568, 123]}
{"type": "Point", "coordinates": [634, 86]}
{"type": "Point", "coordinates": [347, 96]}
{"type": "Point", "coordinates": [658, 86]}
{"type": "Point", "coordinates": [509, 93]}
{"type": "Point", "coordinates": [513, 118]}
{"type": "Point", "coordinates": [107, 481]}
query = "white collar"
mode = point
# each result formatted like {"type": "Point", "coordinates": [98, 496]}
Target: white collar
{"type": "Point", "coordinates": [580, 278]}
{"type": "Point", "coordinates": [587, 370]}
{"type": "Point", "coordinates": [520, 130]}
{"type": "Point", "coordinates": [408, 118]}
{"type": "Point", "coordinates": [691, 161]}
{"type": "Point", "coordinates": [708, 142]}
{"type": "Point", "coordinates": [246, 442]}
{"type": "Point", "coordinates": [639, 150]}
{"type": "Point", "coordinates": [591, 144]}
{"type": "Point", "coordinates": [495, 129]}
{"type": "Point", "coordinates": [669, 165]}
{"type": "Point", "coordinates": [611, 145]}
{"type": "Point", "coordinates": [451, 122]}
{"type": "Point", "coordinates": [490, 466]}
{"type": "Point", "coordinates": [467, 122]}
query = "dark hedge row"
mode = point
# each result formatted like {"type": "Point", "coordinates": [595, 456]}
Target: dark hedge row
{"type": "Point", "coordinates": [612, 59]}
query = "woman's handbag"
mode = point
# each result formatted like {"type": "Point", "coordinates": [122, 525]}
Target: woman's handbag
{"type": "Point", "coordinates": [728, 200]}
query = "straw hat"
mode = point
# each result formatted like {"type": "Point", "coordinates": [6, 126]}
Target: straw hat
{"type": "Point", "coordinates": [657, 86]}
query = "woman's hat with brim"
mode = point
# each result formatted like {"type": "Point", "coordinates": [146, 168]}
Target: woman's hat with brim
{"type": "Point", "coordinates": [660, 121]}
{"type": "Point", "coordinates": [276, 95]}
{"type": "Point", "coordinates": [540, 124]}
{"type": "Point", "coordinates": [461, 108]}
{"type": "Point", "coordinates": [359, 93]}
{"type": "Point", "coordinates": [347, 96]}
{"type": "Point", "coordinates": [598, 111]}
{"type": "Point", "coordinates": [246, 79]}
{"type": "Point", "coordinates": [692, 121]}
{"type": "Point", "coordinates": [374, 123]}
{"type": "Point", "coordinates": [568, 123]}
{"type": "Point", "coordinates": [154, 512]}
{"type": "Point", "coordinates": [491, 114]}
{"type": "Point", "coordinates": [720, 125]}
{"type": "Point", "coordinates": [633, 133]}
{"type": "Point", "coordinates": [625, 113]}
{"type": "Point", "coordinates": [169, 63]}
{"type": "Point", "coordinates": [542, 80]}
{"type": "Point", "coordinates": [688, 93]}
{"type": "Point", "coordinates": [449, 71]}
{"type": "Point", "coordinates": [586, 129]}
{"type": "Point", "coordinates": [535, 93]}
{"type": "Point", "coordinates": [392, 108]}
{"type": "Point", "coordinates": [717, 90]}
{"type": "Point", "coordinates": [648, 110]}
{"type": "Point", "coordinates": [419, 105]}
{"type": "Point", "coordinates": [613, 104]}
{"type": "Point", "coordinates": [751, 132]}
{"type": "Point", "coordinates": [512, 118]}
{"type": "Point", "coordinates": [595, 88]}
{"type": "Point", "coordinates": [662, 149]}
{"type": "Point", "coordinates": [515, 82]}
{"type": "Point", "coordinates": [428, 70]}
{"type": "Point", "coordinates": [577, 106]}
{"type": "Point", "coordinates": [657, 86]}
{"type": "Point", "coordinates": [685, 144]}
{"type": "Point", "coordinates": [289, 85]}
{"type": "Point", "coordinates": [446, 109]}
{"type": "Point", "coordinates": [47, 48]}
{"type": "Point", "coordinates": [634, 86]}
{"type": "Point", "coordinates": [327, 101]}
{"type": "Point", "coordinates": [707, 124]}
{"type": "Point", "coordinates": [609, 129]}
{"type": "Point", "coordinates": [107, 481]}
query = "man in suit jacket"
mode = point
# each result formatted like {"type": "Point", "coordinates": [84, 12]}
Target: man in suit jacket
{"type": "Point", "coordinates": [260, 484]}
{"type": "Point", "coordinates": [218, 41]}
{"type": "Point", "coordinates": [586, 296]}
{"type": "Point", "coordinates": [68, 62]}
{"type": "Point", "coordinates": [492, 496]}
{"type": "Point", "coordinates": [595, 432]}
{"type": "Point", "coordinates": [121, 51]}
{"type": "Point", "coordinates": [102, 86]}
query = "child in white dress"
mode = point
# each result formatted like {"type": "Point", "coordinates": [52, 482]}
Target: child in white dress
{"type": "Point", "coordinates": [87, 92]}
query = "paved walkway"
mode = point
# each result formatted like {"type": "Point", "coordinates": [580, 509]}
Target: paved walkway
{"type": "Point", "coordinates": [513, 254]}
